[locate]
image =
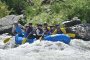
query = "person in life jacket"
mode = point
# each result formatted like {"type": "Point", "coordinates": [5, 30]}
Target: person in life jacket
{"type": "Point", "coordinates": [39, 31]}
{"type": "Point", "coordinates": [58, 29]}
{"type": "Point", "coordinates": [46, 29]}
{"type": "Point", "coordinates": [30, 31]}
{"type": "Point", "coordinates": [17, 29]}
{"type": "Point", "coordinates": [52, 29]}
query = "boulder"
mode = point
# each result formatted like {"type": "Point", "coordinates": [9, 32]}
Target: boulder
{"type": "Point", "coordinates": [7, 22]}
{"type": "Point", "coordinates": [74, 21]}
{"type": "Point", "coordinates": [71, 23]}
{"type": "Point", "coordinates": [82, 31]}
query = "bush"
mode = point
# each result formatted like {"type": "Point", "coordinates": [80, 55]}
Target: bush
{"type": "Point", "coordinates": [17, 5]}
{"type": "Point", "coordinates": [3, 10]}
{"type": "Point", "coordinates": [58, 11]}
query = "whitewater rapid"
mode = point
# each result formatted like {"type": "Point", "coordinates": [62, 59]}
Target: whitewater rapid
{"type": "Point", "coordinates": [45, 50]}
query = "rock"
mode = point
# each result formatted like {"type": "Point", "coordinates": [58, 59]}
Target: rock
{"type": "Point", "coordinates": [7, 22]}
{"type": "Point", "coordinates": [71, 23]}
{"type": "Point", "coordinates": [74, 21]}
{"type": "Point", "coordinates": [82, 31]}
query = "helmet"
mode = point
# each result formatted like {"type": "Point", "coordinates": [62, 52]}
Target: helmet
{"type": "Point", "coordinates": [45, 24]}
{"type": "Point", "coordinates": [30, 23]}
{"type": "Point", "coordinates": [57, 25]}
{"type": "Point", "coordinates": [39, 24]}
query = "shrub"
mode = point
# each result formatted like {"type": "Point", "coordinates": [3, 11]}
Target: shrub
{"type": "Point", "coordinates": [3, 10]}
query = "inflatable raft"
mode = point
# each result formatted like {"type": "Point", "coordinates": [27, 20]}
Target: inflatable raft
{"type": "Point", "coordinates": [58, 37]}
{"type": "Point", "coordinates": [54, 38]}
{"type": "Point", "coordinates": [22, 40]}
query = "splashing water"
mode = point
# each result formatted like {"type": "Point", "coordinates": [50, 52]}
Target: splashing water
{"type": "Point", "coordinates": [45, 50]}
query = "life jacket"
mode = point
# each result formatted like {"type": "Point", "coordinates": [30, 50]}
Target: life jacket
{"type": "Point", "coordinates": [29, 30]}
{"type": "Point", "coordinates": [63, 30]}
{"type": "Point", "coordinates": [41, 31]}
{"type": "Point", "coordinates": [60, 31]}
{"type": "Point", "coordinates": [46, 31]}
{"type": "Point", "coordinates": [18, 30]}
{"type": "Point", "coordinates": [51, 31]}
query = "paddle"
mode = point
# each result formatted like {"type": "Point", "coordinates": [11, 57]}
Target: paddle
{"type": "Point", "coordinates": [7, 40]}
{"type": "Point", "coordinates": [41, 38]}
{"type": "Point", "coordinates": [72, 35]}
{"type": "Point", "coordinates": [25, 39]}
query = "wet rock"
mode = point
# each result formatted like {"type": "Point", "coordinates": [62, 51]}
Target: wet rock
{"type": "Point", "coordinates": [7, 22]}
{"type": "Point", "coordinates": [74, 21]}
{"type": "Point", "coordinates": [71, 23]}
{"type": "Point", "coordinates": [82, 31]}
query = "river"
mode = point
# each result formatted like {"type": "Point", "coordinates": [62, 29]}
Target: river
{"type": "Point", "coordinates": [45, 50]}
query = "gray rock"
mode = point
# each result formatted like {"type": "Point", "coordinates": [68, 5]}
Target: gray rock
{"type": "Point", "coordinates": [71, 23]}
{"type": "Point", "coordinates": [7, 22]}
{"type": "Point", "coordinates": [82, 31]}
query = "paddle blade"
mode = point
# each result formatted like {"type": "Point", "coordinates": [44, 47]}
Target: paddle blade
{"type": "Point", "coordinates": [72, 35]}
{"type": "Point", "coordinates": [24, 40]}
{"type": "Point", "coordinates": [6, 40]}
{"type": "Point", "coordinates": [40, 38]}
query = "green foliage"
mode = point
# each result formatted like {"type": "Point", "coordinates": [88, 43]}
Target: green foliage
{"type": "Point", "coordinates": [72, 8]}
{"type": "Point", "coordinates": [56, 12]}
{"type": "Point", "coordinates": [22, 21]}
{"type": "Point", "coordinates": [17, 5]}
{"type": "Point", "coordinates": [3, 9]}
{"type": "Point", "coordinates": [59, 11]}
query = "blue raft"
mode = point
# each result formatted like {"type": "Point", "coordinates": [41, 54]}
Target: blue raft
{"type": "Point", "coordinates": [58, 37]}
{"type": "Point", "coordinates": [19, 39]}
{"type": "Point", "coordinates": [54, 38]}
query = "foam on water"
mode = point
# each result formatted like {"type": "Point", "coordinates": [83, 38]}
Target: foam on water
{"type": "Point", "coordinates": [46, 50]}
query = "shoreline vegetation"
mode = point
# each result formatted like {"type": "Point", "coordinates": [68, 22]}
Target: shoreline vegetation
{"type": "Point", "coordinates": [52, 12]}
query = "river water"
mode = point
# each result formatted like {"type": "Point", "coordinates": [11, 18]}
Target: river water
{"type": "Point", "coordinates": [45, 50]}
